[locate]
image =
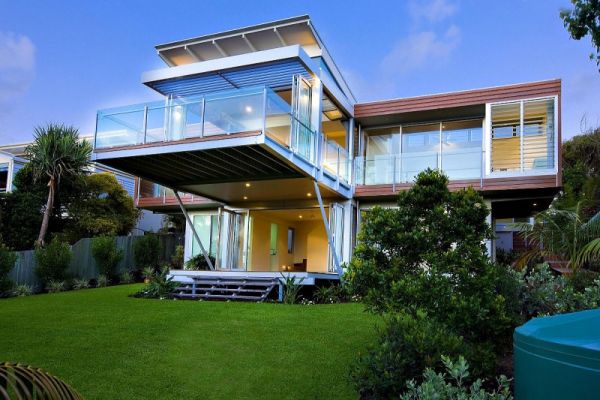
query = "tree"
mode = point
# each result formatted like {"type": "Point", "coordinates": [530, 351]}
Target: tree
{"type": "Point", "coordinates": [428, 255]}
{"type": "Point", "coordinates": [583, 20]}
{"type": "Point", "coordinates": [56, 152]}
{"type": "Point", "coordinates": [103, 208]}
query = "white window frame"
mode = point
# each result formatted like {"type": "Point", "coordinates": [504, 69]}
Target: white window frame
{"type": "Point", "coordinates": [488, 140]}
{"type": "Point", "coordinates": [189, 235]}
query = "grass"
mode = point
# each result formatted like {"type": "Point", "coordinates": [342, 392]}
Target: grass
{"type": "Point", "coordinates": [108, 345]}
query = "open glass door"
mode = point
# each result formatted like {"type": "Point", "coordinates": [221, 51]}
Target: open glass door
{"type": "Point", "coordinates": [302, 112]}
{"type": "Point", "coordinates": [232, 254]}
{"type": "Point", "coordinates": [336, 225]}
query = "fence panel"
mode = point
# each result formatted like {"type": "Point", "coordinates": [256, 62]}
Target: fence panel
{"type": "Point", "coordinates": [83, 265]}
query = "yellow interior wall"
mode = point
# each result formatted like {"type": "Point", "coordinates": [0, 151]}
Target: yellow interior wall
{"type": "Point", "coordinates": [260, 257]}
{"type": "Point", "coordinates": [311, 243]}
{"type": "Point", "coordinates": [506, 154]}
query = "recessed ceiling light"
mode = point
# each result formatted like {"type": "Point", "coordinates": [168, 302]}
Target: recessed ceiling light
{"type": "Point", "coordinates": [248, 109]}
{"type": "Point", "coordinates": [300, 216]}
{"type": "Point", "coordinates": [247, 184]}
{"type": "Point", "coordinates": [245, 197]}
{"type": "Point", "coordinates": [309, 194]}
{"type": "Point", "coordinates": [534, 204]}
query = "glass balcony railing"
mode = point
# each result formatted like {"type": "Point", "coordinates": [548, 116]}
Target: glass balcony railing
{"type": "Point", "coordinates": [336, 160]}
{"type": "Point", "coordinates": [223, 113]}
{"type": "Point", "coordinates": [465, 163]}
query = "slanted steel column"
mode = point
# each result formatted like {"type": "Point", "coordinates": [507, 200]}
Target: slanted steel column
{"type": "Point", "coordinates": [336, 260]}
{"type": "Point", "coordinates": [189, 220]}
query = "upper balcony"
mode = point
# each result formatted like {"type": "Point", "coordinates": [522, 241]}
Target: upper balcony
{"type": "Point", "coordinates": [208, 144]}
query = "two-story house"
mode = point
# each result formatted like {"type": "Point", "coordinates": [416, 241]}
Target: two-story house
{"type": "Point", "coordinates": [261, 143]}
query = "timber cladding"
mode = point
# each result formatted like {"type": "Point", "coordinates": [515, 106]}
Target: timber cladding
{"type": "Point", "coordinates": [459, 99]}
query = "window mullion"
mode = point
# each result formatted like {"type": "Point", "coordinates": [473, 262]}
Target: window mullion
{"type": "Point", "coordinates": [521, 135]}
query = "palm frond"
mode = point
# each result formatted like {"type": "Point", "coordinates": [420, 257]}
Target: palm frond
{"type": "Point", "coordinates": [588, 253]}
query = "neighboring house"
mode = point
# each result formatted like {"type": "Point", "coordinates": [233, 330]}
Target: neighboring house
{"type": "Point", "coordinates": [12, 158]}
{"type": "Point", "coordinates": [279, 160]}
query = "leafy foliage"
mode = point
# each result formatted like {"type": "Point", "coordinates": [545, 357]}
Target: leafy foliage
{"type": "Point", "coordinates": [26, 382]}
{"type": "Point", "coordinates": [198, 263]}
{"type": "Point", "coordinates": [79, 284]}
{"type": "Point", "coordinates": [405, 347]}
{"type": "Point", "coordinates": [7, 262]}
{"type": "Point", "coordinates": [104, 208]}
{"type": "Point", "coordinates": [583, 20]}
{"type": "Point", "coordinates": [177, 258]}
{"type": "Point", "coordinates": [453, 385]}
{"type": "Point", "coordinates": [20, 218]}
{"type": "Point", "coordinates": [23, 290]}
{"type": "Point", "coordinates": [56, 152]}
{"type": "Point", "coordinates": [428, 255]}
{"type": "Point", "coordinates": [56, 286]}
{"type": "Point", "coordinates": [107, 255]}
{"type": "Point", "coordinates": [160, 287]}
{"type": "Point", "coordinates": [102, 281]}
{"type": "Point", "coordinates": [146, 250]}
{"type": "Point", "coordinates": [53, 261]}
{"type": "Point", "coordinates": [331, 293]}
{"type": "Point", "coordinates": [126, 277]}
{"type": "Point", "coordinates": [291, 288]}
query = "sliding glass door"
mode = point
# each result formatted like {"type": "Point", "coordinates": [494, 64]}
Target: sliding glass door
{"type": "Point", "coordinates": [232, 254]}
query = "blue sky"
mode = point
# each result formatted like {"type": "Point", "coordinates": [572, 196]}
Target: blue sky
{"type": "Point", "coordinates": [60, 61]}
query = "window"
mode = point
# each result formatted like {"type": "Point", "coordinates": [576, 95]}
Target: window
{"type": "Point", "coordinates": [522, 135]}
{"type": "Point", "coordinates": [382, 145]}
{"type": "Point", "coordinates": [273, 241]}
{"type": "Point", "coordinates": [207, 228]}
{"type": "Point", "coordinates": [420, 150]}
{"type": "Point", "coordinates": [461, 149]}
{"type": "Point", "coordinates": [290, 240]}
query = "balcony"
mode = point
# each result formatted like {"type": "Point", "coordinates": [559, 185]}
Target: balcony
{"type": "Point", "coordinates": [230, 136]}
{"type": "Point", "coordinates": [463, 164]}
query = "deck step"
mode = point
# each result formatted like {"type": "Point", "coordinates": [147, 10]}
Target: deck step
{"type": "Point", "coordinates": [226, 288]}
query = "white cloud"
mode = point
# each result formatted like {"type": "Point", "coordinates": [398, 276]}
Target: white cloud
{"type": "Point", "coordinates": [420, 49]}
{"type": "Point", "coordinates": [432, 11]}
{"type": "Point", "coordinates": [17, 65]}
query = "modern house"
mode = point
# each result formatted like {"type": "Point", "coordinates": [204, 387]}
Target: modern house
{"type": "Point", "coordinates": [261, 143]}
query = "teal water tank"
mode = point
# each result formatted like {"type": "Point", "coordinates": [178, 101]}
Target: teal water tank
{"type": "Point", "coordinates": [558, 357]}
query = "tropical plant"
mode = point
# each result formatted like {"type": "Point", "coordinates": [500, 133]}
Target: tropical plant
{"type": "Point", "coordinates": [292, 287]}
{"type": "Point", "coordinates": [7, 262]}
{"type": "Point", "coordinates": [161, 286]}
{"type": "Point", "coordinates": [146, 251]}
{"type": "Point", "coordinates": [26, 382]}
{"type": "Point", "coordinates": [53, 261]}
{"type": "Point", "coordinates": [102, 281]}
{"type": "Point", "coordinates": [405, 346]}
{"type": "Point", "coordinates": [56, 286]}
{"type": "Point", "coordinates": [56, 152]}
{"type": "Point", "coordinates": [107, 254]}
{"type": "Point", "coordinates": [330, 294]}
{"type": "Point", "coordinates": [148, 273]}
{"type": "Point", "coordinates": [126, 277]}
{"type": "Point", "coordinates": [22, 290]}
{"type": "Point", "coordinates": [79, 284]}
{"type": "Point", "coordinates": [564, 234]}
{"type": "Point", "coordinates": [452, 385]}
{"type": "Point", "coordinates": [104, 208]}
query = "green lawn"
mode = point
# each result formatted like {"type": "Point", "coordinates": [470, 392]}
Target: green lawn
{"type": "Point", "coordinates": [110, 346]}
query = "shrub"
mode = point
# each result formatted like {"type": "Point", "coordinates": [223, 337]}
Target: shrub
{"type": "Point", "coordinates": [146, 251]}
{"type": "Point", "coordinates": [126, 277]}
{"type": "Point", "coordinates": [107, 255]}
{"type": "Point", "coordinates": [292, 287]}
{"type": "Point", "coordinates": [177, 258]}
{"type": "Point", "coordinates": [79, 284]}
{"type": "Point", "coordinates": [102, 281]}
{"type": "Point", "coordinates": [330, 294]}
{"type": "Point", "coordinates": [22, 290]}
{"type": "Point", "coordinates": [56, 286]}
{"type": "Point", "coordinates": [438, 386]}
{"type": "Point", "coordinates": [160, 287]}
{"type": "Point", "coordinates": [148, 273]}
{"type": "Point", "coordinates": [7, 262]}
{"type": "Point", "coordinates": [198, 263]}
{"type": "Point", "coordinates": [53, 261]}
{"type": "Point", "coordinates": [405, 347]}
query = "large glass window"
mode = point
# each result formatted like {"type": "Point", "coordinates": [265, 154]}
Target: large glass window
{"type": "Point", "coordinates": [420, 150]}
{"type": "Point", "coordinates": [382, 145]}
{"type": "Point", "coordinates": [461, 149]}
{"type": "Point", "coordinates": [523, 135]}
{"type": "Point", "coordinates": [207, 228]}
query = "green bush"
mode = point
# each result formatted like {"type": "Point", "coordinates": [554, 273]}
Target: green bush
{"type": "Point", "coordinates": [438, 386]}
{"type": "Point", "coordinates": [160, 287]}
{"type": "Point", "coordinates": [107, 255]}
{"type": "Point", "coordinates": [177, 258]}
{"type": "Point", "coordinates": [126, 277]}
{"type": "Point", "coordinates": [405, 347]}
{"type": "Point", "coordinates": [198, 263]}
{"type": "Point", "coordinates": [291, 288]}
{"type": "Point", "coordinates": [146, 251]}
{"type": "Point", "coordinates": [330, 294]}
{"type": "Point", "coordinates": [102, 281]}
{"type": "Point", "coordinates": [7, 262]}
{"type": "Point", "coordinates": [52, 261]}
{"type": "Point", "coordinates": [22, 290]}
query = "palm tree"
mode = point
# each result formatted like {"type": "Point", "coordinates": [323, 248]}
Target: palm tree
{"type": "Point", "coordinates": [563, 233]}
{"type": "Point", "coordinates": [55, 153]}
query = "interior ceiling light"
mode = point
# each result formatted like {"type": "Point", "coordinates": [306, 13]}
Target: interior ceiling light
{"type": "Point", "coordinates": [245, 197]}
{"type": "Point", "coordinates": [247, 184]}
{"type": "Point", "coordinates": [309, 194]}
{"type": "Point", "coordinates": [333, 115]}
{"type": "Point", "coordinates": [248, 109]}
{"type": "Point", "coordinates": [300, 216]}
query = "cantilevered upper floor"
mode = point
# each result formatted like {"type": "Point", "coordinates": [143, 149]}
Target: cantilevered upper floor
{"type": "Point", "coordinates": [264, 104]}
